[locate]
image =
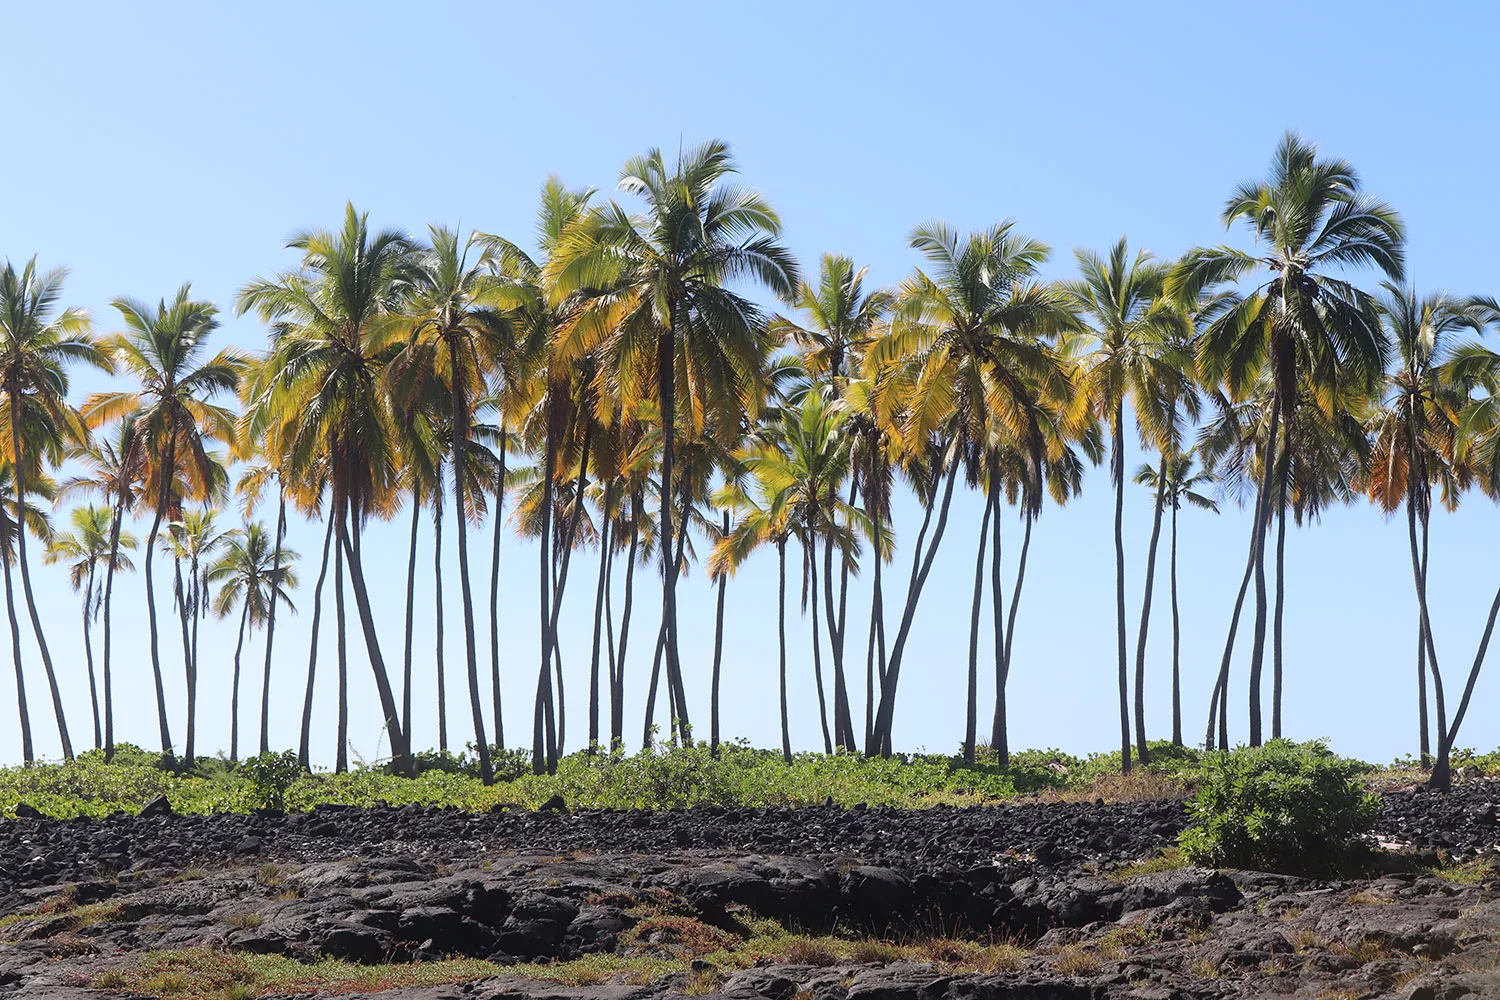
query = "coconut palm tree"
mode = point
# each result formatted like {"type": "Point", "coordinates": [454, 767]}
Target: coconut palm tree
{"type": "Point", "coordinates": [1304, 322]}
{"type": "Point", "coordinates": [37, 344]}
{"type": "Point", "coordinates": [163, 348]}
{"type": "Point", "coordinates": [967, 345]}
{"type": "Point", "coordinates": [113, 470]}
{"type": "Point", "coordinates": [194, 539]}
{"type": "Point", "coordinates": [1180, 484]}
{"type": "Point", "coordinates": [655, 298]}
{"type": "Point", "coordinates": [249, 574]}
{"type": "Point", "coordinates": [91, 542]}
{"type": "Point", "coordinates": [39, 525]}
{"type": "Point", "coordinates": [336, 322]}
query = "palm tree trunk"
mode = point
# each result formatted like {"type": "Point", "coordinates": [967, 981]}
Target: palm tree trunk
{"type": "Point", "coordinates": [440, 668]}
{"type": "Point", "coordinates": [27, 753]}
{"type": "Point", "coordinates": [1117, 473]}
{"type": "Point", "coordinates": [495, 594]}
{"type": "Point", "coordinates": [1258, 645]}
{"type": "Point", "coordinates": [1142, 750]}
{"type": "Point", "coordinates": [713, 696]}
{"type": "Point", "coordinates": [841, 695]}
{"type": "Point", "coordinates": [648, 729]}
{"type": "Point", "coordinates": [1424, 742]}
{"type": "Point", "coordinates": [810, 563]}
{"type": "Point", "coordinates": [88, 655]}
{"type": "Point", "coordinates": [1176, 642]}
{"type": "Point", "coordinates": [460, 429]}
{"type": "Point", "coordinates": [109, 588]}
{"type": "Point", "coordinates": [786, 730]}
{"type": "Point", "coordinates": [1015, 602]}
{"type": "Point", "coordinates": [666, 376]}
{"type": "Point", "coordinates": [617, 685]}
{"type": "Point", "coordinates": [341, 761]}
{"type": "Point", "coordinates": [411, 600]}
{"type": "Point", "coordinates": [165, 475]}
{"type": "Point", "coordinates": [196, 609]}
{"type": "Point", "coordinates": [400, 745]}
{"type": "Point", "coordinates": [1444, 744]}
{"type": "Point", "coordinates": [875, 669]}
{"type": "Point", "coordinates": [971, 713]}
{"type": "Point", "coordinates": [19, 475]}
{"type": "Point", "coordinates": [1441, 772]}
{"type": "Point", "coordinates": [234, 698]}
{"type": "Point", "coordinates": [563, 560]}
{"type": "Point", "coordinates": [1276, 668]}
{"type": "Point", "coordinates": [303, 749]}
{"type": "Point", "coordinates": [542, 750]}
{"type": "Point", "coordinates": [999, 725]}
{"type": "Point", "coordinates": [885, 713]}
{"type": "Point", "coordinates": [189, 749]}
{"type": "Point", "coordinates": [611, 662]}
{"type": "Point", "coordinates": [265, 689]}
{"type": "Point", "coordinates": [599, 590]}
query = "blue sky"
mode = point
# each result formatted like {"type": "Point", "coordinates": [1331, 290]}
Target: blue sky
{"type": "Point", "coordinates": [149, 146]}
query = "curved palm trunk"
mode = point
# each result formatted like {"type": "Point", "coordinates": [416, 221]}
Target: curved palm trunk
{"type": "Point", "coordinates": [971, 713]}
{"type": "Point", "coordinates": [341, 760]}
{"type": "Point", "coordinates": [1258, 645]}
{"type": "Point", "coordinates": [411, 601]}
{"type": "Point", "coordinates": [164, 486]}
{"type": "Point", "coordinates": [109, 588]}
{"type": "Point", "coordinates": [1278, 615]}
{"type": "Point", "coordinates": [713, 697]}
{"type": "Point", "coordinates": [617, 688]}
{"type": "Point", "coordinates": [1440, 777]}
{"type": "Point", "coordinates": [1424, 742]}
{"type": "Point", "coordinates": [648, 729]}
{"type": "Point", "coordinates": [1441, 770]}
{"type": "Point", "coordinates": [599, 590]}
{"type": "Point", "coordinates": [303, 749]}
{"type": "Point", "coordinates": [88, 655]}
{"type": "Point", "coordinates": [999, 724]}
{"type": "Point", "coordinates": [543, 745]}
{"type": "Point", "coordinates": [885, 713]}
{"type": "Point", "coordinates": [874, 679]}
{"type": "Point", "coordinates": [18, 474]}
{"type": "Point", "coordinates": [196, 609]}
{"type": "Point", "coordinates": [1141, 749]}
{"type": "Point", "coordinates": [440, 668]}
{"type": "Point", "coordinates": [811, 565]}
{"type": "Point", "coordinates": [786, 730]}
{"type": "Point", "coordinates": [667, 393]}
{"type": "Point", "coordinates": [466, 594]}
{"type": "Point", "coordinates": [563, 560]}
{"type": "Point", "coordinates": [234, 698]}
{"type": "Point", "coordinates": [27, 753]}
{"type": "Point", "coordinates": [189, 753]}
{"type": "Point", "coordinates": [1015, 603]}
{"type": "Point", "coordinates": [1176, 641]}
{"type": "Point", "coordinates": [1117, 473]}
{"type": "Point", "coordinates": [495, 596]}
{"type": "Point", "coordinates": [400, 744]}
{"type": "Point", "coordinates": [841, 697]}
{"type": "Point", "coordinates": [265, 689]}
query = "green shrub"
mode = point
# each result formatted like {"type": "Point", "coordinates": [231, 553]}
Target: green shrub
{"type": "Point", "coordinates": [271, 775]}
{"type": "Point", "coordinates": [1284, 807]}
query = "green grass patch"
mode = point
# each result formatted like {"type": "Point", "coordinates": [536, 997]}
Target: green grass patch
{"type": "Point", "coordinates": [1170, 859]}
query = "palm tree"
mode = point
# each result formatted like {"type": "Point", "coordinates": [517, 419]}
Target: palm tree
{"type": "Point", "coordinates": [250, 574]}
{"type": "Point", "coordinates": [336, 323]}
{"type": "Point", "coordinates": [966, 346]}
{"type": "Point", "coordinates": [36, 348]}
{"type": "Point", "coordinates": [91, 542]}
{"type": "Point", "coordinates": [250, 487]}
{"type": "Point", "coordinates": [194, 539]}
{"type": "Point", "coordinates": [113, 472]}
{"type": "Point", "coordinates": [654, 288]}
{"type": "Point", "coordinates": [37, 522]}
{"type": "Point", "coordinates": [1415, 439]}
{"type": "Point", "coordinates": [1135, 332]}
{"type": "Point", "coordinates": [163, 348]}
{"type": "Point", "coordinates": [1302, 323]}
{"type": "Point", "coordinates": [1181, 484]}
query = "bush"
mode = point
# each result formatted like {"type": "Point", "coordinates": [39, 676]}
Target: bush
{"type": "Point", "coordinates": [1285, 806]}
{"type": "Point", "coordinates": [271, 775]}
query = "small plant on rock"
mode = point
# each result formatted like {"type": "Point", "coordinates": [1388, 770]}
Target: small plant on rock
{"type": "Point", "coordinates": [271, 776]}
{"type": "Point", "coordinates": [1283, 807]}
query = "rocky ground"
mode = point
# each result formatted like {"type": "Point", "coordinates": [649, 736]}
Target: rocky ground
{"type": "Point", "coordinates": [1024, 901]}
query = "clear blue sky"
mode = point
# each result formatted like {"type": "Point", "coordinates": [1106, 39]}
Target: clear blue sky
{"type": "Point", "coordinates": [149, 146]}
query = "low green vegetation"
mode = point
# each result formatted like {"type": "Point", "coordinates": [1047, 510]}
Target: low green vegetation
{"type": "Point", "coordinates": [1283, 806]}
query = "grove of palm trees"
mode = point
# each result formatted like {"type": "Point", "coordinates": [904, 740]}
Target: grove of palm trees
{"type": "Point", "coordinates": [654, 391]}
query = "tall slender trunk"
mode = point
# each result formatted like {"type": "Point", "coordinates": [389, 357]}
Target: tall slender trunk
{"type": "Point", "coordinates": [786, 730]}
{"type": "Point", "coordinates": [870, 676]}
{"type": "Point", "coordinates": [1444, 744]}
{"type": "Point", "coordinates": [666, 375]}
{"type": "Point", "coordinates": [1425, 745]}
{"type": "Point", "coordinates": [1441, 770]}
{"type": "Point", "coordinates": [1015, 601]}
{"type": "Point", "coordinates": [411, 602]}
{"type": "Point", "coordinates": [165, 475]}
{"type": "Point", "coordinates": [1278, 616]}
{"type": "Point", "coordinates": [617, 689]}
{"type": "Point", "coordinates": [27, 753]}
{"type": "Point", "coordinates": [1258, 645]}
{"type": "Point", "coordinates": [265, 689]}
{"type": "Point", "coordinates": [303, 750]}
{"type": "Point", "coordinates": [841, 674]}
{"type": "Point", "coordinates": [109, 590]}
{"type": "Point", "coordinates": [648, 728]}
{"type": "Point", "coordinates": [1117, 474]}
{"type": "Point", "coordinates": [599, 590]}
{"type": "Point", "coordinates": [563, 560]}
{"type": "Point", "coordinates": [611, 661]}
{"type": "Point", "coordinates": [341, 760]}
{"type": "Point", "coordinates": [713, 696]}
{"type": "Point", "coordinates": [18, 474]}
{"type": "Point", "coordinates": [999, 724]}
{"type": "Point", "coordinates": [196, 609]}
{"type": "Point", "coordinates": [88, 655]}
{"type": "Point", "coordinates": [495, 594]}
{"type": "Point", "coordinates": [971, 703]}
{"type": "Point", "coordinates": [234, 697]}
{"type": "Point", "coordinates": [400, 744]}
{"type": "Point", "coordinates": [885, 713]}
{"type": "Point", "coordinates": [810, 562]}
{"type": "Point", "coordinates": [544, 750]}
{"type": "Point", "coordinates": [1176, 641]}
{"type": "Point", "coordinates": [189, 747]}
{"type": "Point", "coordinates": [1141, 749]}
{"type": "Point", "coordinates": [460, 429]}
{"type": "Point", "coordinates": [440, 670]}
